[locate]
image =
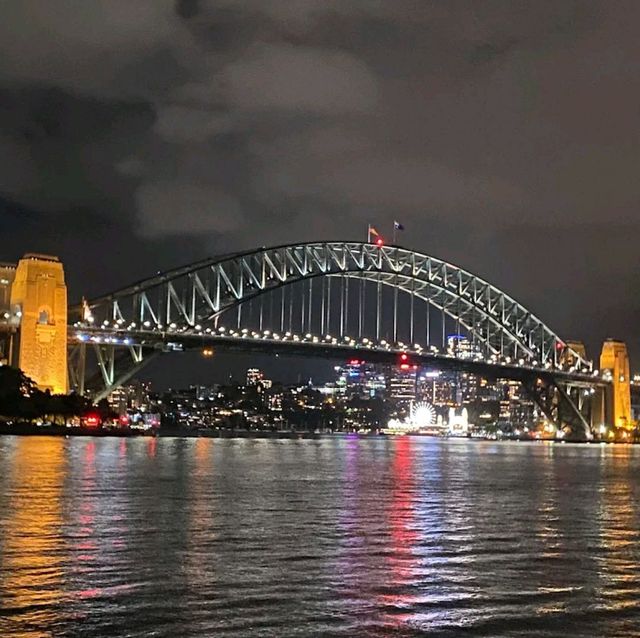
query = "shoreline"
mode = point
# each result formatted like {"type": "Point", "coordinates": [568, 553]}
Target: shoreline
{"type": "Point", "coordinates": [67, 432]}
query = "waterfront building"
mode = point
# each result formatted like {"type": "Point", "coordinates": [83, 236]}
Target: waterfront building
{"type": "Point", "coordinates": [133, 396]}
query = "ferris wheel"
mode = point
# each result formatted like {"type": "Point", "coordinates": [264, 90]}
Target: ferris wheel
{"type": "Point", "coordinates": [422, 414]}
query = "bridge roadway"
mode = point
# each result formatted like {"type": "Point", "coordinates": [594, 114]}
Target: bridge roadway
{"type": "Point", "coordinates": [155, 343]}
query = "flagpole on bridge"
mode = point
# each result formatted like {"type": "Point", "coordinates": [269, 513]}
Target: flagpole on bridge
{"type": "Point", "coordinates": [396, 227]}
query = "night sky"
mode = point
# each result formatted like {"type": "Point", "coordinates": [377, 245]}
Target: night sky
{"type": "Point", "coordinates": [136, 135]}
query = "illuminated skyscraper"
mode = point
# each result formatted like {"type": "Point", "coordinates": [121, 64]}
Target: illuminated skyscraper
{"type": "Point", "coordinates": [461, 347]}
{"type": "Point", "coordinates": [401, 385]}
{"type": "Point", "coordinates": [254, 376]}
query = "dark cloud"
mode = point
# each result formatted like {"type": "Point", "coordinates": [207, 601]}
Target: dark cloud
{"type": "Point", "coordinates": [503, 134]}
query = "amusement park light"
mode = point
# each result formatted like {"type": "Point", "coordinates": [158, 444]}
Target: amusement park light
{"type": "Point", "coordinates": [198, 327]}
{"type": "Point", "coordinates": [173, 326]}
{"type": "Point", "coordinates": [379, 242]}
{"type": "Point", "coordinates": [146, 324]}
{"type": "Point", "coordinates": [221, 329]}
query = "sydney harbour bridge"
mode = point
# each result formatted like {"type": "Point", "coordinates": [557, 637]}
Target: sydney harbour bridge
{"type": "Point", "coordinates": [337, 299]}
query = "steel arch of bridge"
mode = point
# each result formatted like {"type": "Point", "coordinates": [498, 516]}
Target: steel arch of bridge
{"type": "Point", "coordinates": [196, 296]}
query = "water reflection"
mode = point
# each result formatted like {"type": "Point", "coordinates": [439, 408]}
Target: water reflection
{"type": "Point", "coordinates": [336, 536]}
{"type": "Point", "coordinates": [619, 536]}
{"type": "Point", "coordinates": [32, 573]}
{"type": "Point", "coordinates": [396, 594]}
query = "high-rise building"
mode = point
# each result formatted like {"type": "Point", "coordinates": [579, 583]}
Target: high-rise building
{"type": "Point", "coordinates": [133, 396]}
{"type": "Point", "coordinates": [358, 378]}
{"type": "Point", "coordinates": [461, 347]}
{"type": "Point", "coordinates": [515, 405]}
{"type": "Point", "coordinates": [401, 384]}
{"type": "Point", "coordinates": [254, 376]}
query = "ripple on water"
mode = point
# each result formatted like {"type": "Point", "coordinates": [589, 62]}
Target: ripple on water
{"type": "Point", "coordinates": [333, 536]}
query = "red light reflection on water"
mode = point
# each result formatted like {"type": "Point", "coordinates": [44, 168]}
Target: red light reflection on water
{"type": "Point", "coordinates": [403, 535]}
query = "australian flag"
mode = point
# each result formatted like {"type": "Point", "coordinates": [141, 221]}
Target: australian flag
{"type": "Point", "coordinates": [397, 226]}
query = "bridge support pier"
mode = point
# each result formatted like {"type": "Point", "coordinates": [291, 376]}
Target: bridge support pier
{"type": "Point", "coordinates": [116, 366]}
{"type": "Point", "coordinates": [568, 407]}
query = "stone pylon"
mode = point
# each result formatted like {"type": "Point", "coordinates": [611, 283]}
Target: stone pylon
{"type": "Point", "coordinates": [614, 362]}
{"type": "Point", "coordinates": [39, 301]}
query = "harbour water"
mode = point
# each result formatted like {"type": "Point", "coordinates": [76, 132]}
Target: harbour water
{"type": "Point", "coordinates": [335, 536]}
